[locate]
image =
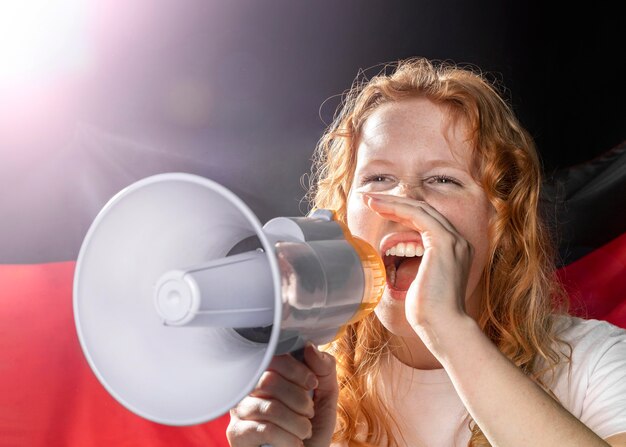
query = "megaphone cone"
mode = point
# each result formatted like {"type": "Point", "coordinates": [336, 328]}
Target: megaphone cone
{"type": "Point", "coordinates": [182, 297]}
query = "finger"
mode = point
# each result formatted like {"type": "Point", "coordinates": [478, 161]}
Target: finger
{"type": "Point", "coordinates": [403, 210]}
{"type": "Point", "coordinates": [272, 385]}
{"type": "Point", "coordinates": [293, 370]}
{"type": "Point", "coordinates": [432, 211]}
{"type": "Point", "coordinates": [242, 433]}
{"type": "Point", "coordinates": [382, 199]}
{"type": "Point", "coordinates": [274, 412]}
{"type": "Point", "coordinates": [323, 366]}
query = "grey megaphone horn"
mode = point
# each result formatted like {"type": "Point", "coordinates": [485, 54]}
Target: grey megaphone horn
{"type": "Point", "coordinates": [181, 297]}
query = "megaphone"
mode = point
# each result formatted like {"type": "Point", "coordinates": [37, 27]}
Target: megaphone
{"type": "Point", "coordinates": [181, 297]}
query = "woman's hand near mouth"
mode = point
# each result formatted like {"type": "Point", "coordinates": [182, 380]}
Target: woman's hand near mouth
{"type": "Point", "coordinates": [436, 298]}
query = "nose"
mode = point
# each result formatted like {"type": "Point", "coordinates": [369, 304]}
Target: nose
{"type": "Point", "coordinates": [410, 191]}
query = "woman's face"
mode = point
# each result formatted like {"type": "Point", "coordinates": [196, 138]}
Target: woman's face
{"type": "Point", "coordinates": [412, 148]}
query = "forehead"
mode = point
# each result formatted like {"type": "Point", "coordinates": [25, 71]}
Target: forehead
{"type": "Point", "coordinates": [415, 129]}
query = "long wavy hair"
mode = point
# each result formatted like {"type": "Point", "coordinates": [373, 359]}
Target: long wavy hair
{"type": "Point", "coordinates": [521, 289]}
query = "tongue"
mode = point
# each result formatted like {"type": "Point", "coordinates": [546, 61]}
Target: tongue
{"type": "Point", "coordinates": [405, 273]}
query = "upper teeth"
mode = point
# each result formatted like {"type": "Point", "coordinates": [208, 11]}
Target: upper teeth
{"type": "Point", "coordinates": [407, 249]}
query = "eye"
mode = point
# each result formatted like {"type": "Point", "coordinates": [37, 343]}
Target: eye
{"type": "Point", "coordinates": [443, 180]}
{"type": "Point", "coordinates": [374, 178]}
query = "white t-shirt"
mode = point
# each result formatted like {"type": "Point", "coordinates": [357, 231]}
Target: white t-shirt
{"type": "Point", "coordinates": [430, 413]}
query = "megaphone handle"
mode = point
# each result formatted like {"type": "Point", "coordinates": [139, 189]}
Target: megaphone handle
{"type": "Point", "coordinates": [298, 354]}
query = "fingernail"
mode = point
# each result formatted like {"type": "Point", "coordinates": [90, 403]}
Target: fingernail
{"type": "Point", "coordinates": [315, 349]}
{"type": "Point", "coordinates": [378, 197]}
{"type": "Point", "coordinates": [311, 412]}
{"type": "Point", "coordinates": [311, 382]}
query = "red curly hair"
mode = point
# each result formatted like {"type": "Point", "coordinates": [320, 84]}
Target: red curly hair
{"type": "Point", "coordinates": [521, 290]}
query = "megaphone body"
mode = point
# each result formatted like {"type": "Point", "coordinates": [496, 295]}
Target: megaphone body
{"type": "Point", "coordinates": [181, 297]}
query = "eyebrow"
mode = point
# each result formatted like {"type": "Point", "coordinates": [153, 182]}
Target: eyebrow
{"type": "Point", "coordinates": [377, 162]}
{"type": "Point", "coordinates": [429, 164]}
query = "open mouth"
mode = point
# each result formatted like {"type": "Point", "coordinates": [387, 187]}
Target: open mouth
{"type": "Point", "coordinates": [402, 265]}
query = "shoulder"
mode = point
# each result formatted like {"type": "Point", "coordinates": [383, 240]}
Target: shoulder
{"type": "Point", "coordinates": [588, 334]}
{"type": "Point", "coordinates": [592, 386]}
{"type": "Point", "coordinates": [589, 350]}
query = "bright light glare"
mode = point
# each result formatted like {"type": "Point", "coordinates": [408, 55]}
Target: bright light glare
{"type": "Point", "coordinates": [40, 39]}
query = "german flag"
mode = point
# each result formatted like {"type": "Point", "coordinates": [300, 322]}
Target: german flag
{"type": "Point", "coordinates": [48, 394]}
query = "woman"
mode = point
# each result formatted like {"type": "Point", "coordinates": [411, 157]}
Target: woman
{"type": "Point", "coordinates": [471, 343]}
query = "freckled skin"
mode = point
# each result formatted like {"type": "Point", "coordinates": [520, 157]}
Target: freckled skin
{"type": "Point", "coordinates": [412, 145]}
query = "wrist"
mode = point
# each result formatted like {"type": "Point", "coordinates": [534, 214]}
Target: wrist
{"type": "Point", "coordinates": [443, 339]}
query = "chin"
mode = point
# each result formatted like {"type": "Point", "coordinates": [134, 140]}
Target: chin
{"type": "Point", "coordinates": [390, 312]}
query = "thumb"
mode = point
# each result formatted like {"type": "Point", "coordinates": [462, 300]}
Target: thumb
{"type": "Point", "coordinates": [324, 366]}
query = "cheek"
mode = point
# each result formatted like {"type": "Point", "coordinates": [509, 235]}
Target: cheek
{"type": "Point", "coordinates": [354, 213]}
{"type": "Point", "coordinates": [359, 217]}
{"type": "Point", "coordinates": [478, 236]}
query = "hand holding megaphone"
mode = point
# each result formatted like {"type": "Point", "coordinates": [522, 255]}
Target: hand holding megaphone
{"type": "Point", "coordinates": [182, 298]}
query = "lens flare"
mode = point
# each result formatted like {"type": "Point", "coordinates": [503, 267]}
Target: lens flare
{"type": "Point", "coordinates": [41, 39]}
